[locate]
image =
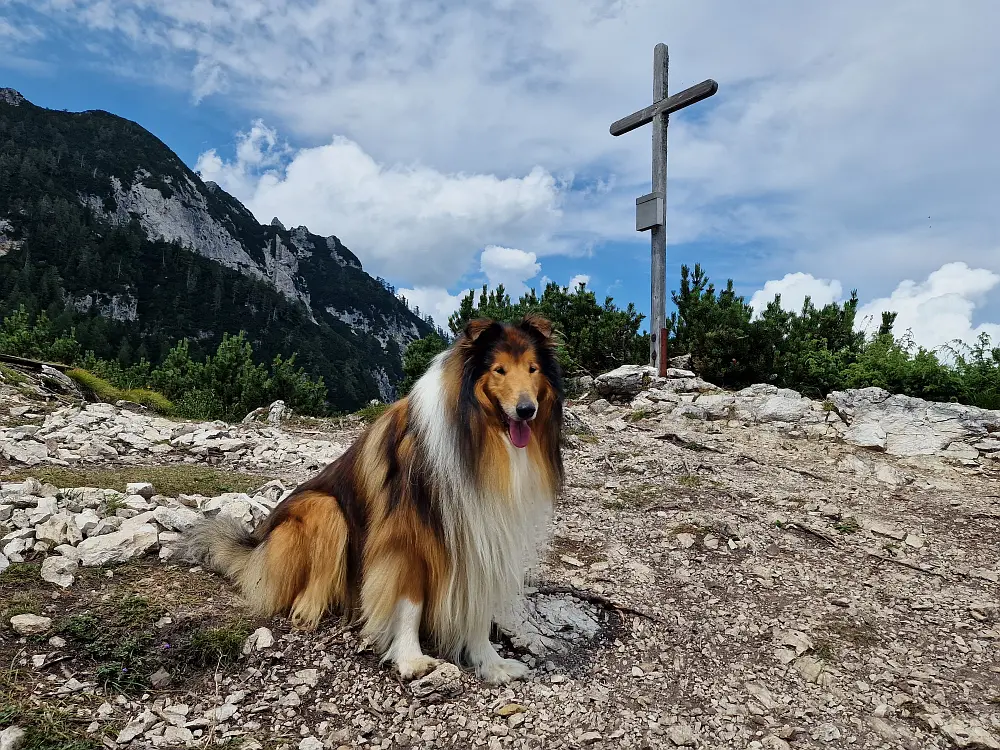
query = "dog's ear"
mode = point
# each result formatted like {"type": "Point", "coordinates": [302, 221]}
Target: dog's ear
{"type": "Point", "coordinates": [537, 323]}
{"type": "Point", "coordinates": [475, 328]}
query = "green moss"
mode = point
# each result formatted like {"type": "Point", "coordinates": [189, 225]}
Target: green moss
{"type": "Point", "coordinates": [638, 415]}
{"type": "Point", "coordinates": [119, 641]}
{"type": "Point", "coordinates": [689, 480]}
{"type": "Point", "coordinates": [12, 376]}
{"type": "Point", "coordinates": [104, 391]}
{"type": "Point", "coordinates": [848, 525]}
{"type": "Point", "coordinates": [207, 647]}
{"type": "Point", "coordinates": [21, 602]}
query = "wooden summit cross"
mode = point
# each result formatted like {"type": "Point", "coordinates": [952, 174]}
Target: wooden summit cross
{"type": "Point", "coordinates": [651, 209]}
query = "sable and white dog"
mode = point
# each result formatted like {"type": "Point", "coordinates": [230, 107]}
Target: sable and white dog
{"type": "Point", "coordinates": [428, 523]}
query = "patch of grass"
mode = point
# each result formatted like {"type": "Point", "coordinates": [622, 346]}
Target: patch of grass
{"type": "Point", "coordinates": [30, 393]}
{"type": "Point", "coordinates": [689, 480]}
{"type": "Point", "coordinates": [21, 602]}
{"type": "Point", "coordinates": [688, 528]}
{"type": "Point", "coordinates": [119, 641]}
{"type": "Point", "coordinates": [23, 572]}
{"type": "Point", "coordinates": [824, 651]}
{"type": "Point", "coordinates": [372, 412]}
{"type": "Point", "coordinates": [150, 399]}
{"type": "Point", "coordinates": [168, 480]}
{"type": "Point", "coordinates": [634, 497]}
{"type": "Point", "coordinates": [638, 415]}
{"type": "Point", "coordinates": [12, 376]}
{"type": "Point", "coordinates": [848, 525]}
{"type": "Point", "coordinates": [104, 391]}
{"type": "Point", "coordinates": [46, 727]}
{"type": "Point", "coordinates": [854, 631]}
{"type": "Point", "coordinates": [24, 421]}
{"type": "Point", "coordinates": [828, 405]}
{"type": "Point", "coordinates": [206, 647]}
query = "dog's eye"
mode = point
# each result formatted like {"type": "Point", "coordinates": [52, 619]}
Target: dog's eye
{"type": "Point", "coordinates": [500, 371]}
{"type": "Point", "coordinates": [532, 369]}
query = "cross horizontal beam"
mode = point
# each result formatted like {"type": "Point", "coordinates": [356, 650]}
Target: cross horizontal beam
{"type": "Point", "coordinates": [683, 99]}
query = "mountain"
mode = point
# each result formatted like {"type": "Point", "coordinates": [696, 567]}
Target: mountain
{"type": "Point", "coordinates": [106, 229]}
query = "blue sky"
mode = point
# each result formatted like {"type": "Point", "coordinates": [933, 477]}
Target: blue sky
{"type": "Point", "coordinates": [448, 144]}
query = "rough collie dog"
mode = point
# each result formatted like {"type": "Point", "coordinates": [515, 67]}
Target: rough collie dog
{"type": "Point", "coordinates": [429, 522]}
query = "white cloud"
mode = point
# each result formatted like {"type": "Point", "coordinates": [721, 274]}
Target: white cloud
{"type": "Point", "coordinates": [407, 222]}
{"type": "Point", "coordinates": [940, 309]}
{"type": "Point", "coordinates": [510, 267]}
{"type": "Point", "coordinates": [434, 301]}
{"type": "Point", "coordinates": [580, 278]}
{"type": "Point", "coordinates": [794, 288]}
{"type": "Point", "coordinates": [820, 145]}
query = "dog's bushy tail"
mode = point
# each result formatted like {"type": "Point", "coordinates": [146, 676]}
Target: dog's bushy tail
{"type": "Point", "coordinates": [221, 544]}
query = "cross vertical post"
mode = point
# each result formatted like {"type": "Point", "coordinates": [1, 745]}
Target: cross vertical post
{"type": "Point", "coordinates": [658, 234]}
{"type": "Point", "coordinates": [651, 209]}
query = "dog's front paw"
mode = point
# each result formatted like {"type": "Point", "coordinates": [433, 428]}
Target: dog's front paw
{"type": "Point", "coordinates": [502, 671]}
{"type": "Point", "coordinates": [411, 669]}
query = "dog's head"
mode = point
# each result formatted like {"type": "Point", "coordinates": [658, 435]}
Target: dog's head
{"type": "Point", "coordinates": [511, 372]}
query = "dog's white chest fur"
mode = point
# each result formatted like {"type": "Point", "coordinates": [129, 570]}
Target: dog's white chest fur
{"type": "Point", "coordinates": [492, 539]}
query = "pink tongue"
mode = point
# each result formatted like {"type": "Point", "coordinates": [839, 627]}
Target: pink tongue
{"type": "Point", "coordinates": [520, 433]}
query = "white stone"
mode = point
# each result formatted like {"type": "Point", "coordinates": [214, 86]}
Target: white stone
{"type": "Point", "coordinates": [779, 408]}
{"type": "Point", "coordinates": [86, 521]}
{"type": "Point", "coordinates": [137, 726]}
{"type": "Point", "coordinates": [143, 489]}
{"type": "Point", "coordinates": [118, 546]}
{"type": "Point", "coordinates": [107, 525]}
{"type": "Point", "coordinates": [866, 435]}
{"type": "Point", "coordinates": [43, 510]}
{"type": "Point", "coordinates": [625, 381]}
{"type": "Point", "coordinates": [260, 639]}
{"type": "Point", "coordinates": [59, 529]}
{"type": "Point", "coordinates": [30, 624]}
{"type": "Point", "coordinates": [173, 736]}
{"type": "Point", "coordinates": [176, 518]}
{"type": "Point", "coordinates": [11, 738]}
{"type": "Point", "coordinates": [59, 570]}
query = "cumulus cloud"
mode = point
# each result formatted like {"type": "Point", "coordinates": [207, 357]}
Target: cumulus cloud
{"type": "Point", "coordinates": [794, 288]}
{"type": "Point", "coordinates": [510, 267]}
{"type": "Point", "coordinates": [408, 222]}
{"type": "Point", "coordinates": [434, 301]}
{"type": "Point", "coordinates": [580, 278]}
{"type": "Point", "coordinates": [939, 310]}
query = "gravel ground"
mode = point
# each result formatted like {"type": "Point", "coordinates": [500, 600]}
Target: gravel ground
{"type": "Point", "coordinates": [717, 587]}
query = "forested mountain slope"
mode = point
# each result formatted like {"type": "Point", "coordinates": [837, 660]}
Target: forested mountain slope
{"type": "Point", "coordinates": [103, 227]}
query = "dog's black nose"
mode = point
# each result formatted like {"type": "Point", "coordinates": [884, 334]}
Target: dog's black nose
{"type": "Point", "coordinates": [525, 411]}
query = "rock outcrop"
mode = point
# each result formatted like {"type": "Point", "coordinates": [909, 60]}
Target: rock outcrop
{"type": "Point", "coordinates": [868, 417]}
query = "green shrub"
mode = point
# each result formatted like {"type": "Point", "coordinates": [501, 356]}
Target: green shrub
{"type": "Point", "coordinates": [417, 358]}
{"type": "Point", "coordinates": [227, 385]}
{"type": "Point", "coordinates": [372, 412]}
{"type": "Point", "coordinates": [592, 337]}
